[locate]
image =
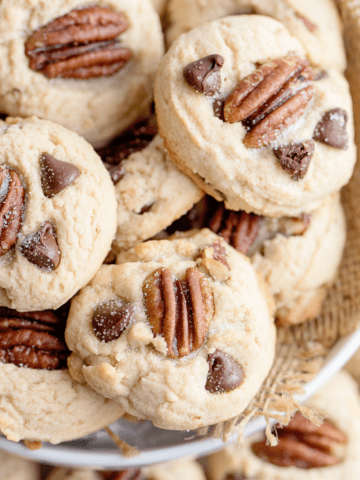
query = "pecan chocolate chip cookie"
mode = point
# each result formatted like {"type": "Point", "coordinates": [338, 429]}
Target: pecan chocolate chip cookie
{"type": "Point", "coordinates": [304, 450]}
{"type": "Point", "coordinates": [258, 129]}
{"type": "Point", "coordinates": [88, 66]}
{"type": "Point", "coordinates": [199, 338]}
{"type": "Point", "coordinates": [316, 24]}
{"type": "Point", "coordinates": [173, 470]}
{"type": "Point", "coordinates": [57, 214]}
{"type": "Point", "coordinates": [151, 191]}
{"type": "Point", "coordinates": [40, 401]}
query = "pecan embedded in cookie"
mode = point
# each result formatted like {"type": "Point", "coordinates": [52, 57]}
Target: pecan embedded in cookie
{"type": "Point", "coordinates": [180, 311]}
{"type": "Point", "coordinates": [270, 99]}
{"type": "Point", "coordinates": [12, 204]}
{"type": "Point", "coordinates": [81, 44]}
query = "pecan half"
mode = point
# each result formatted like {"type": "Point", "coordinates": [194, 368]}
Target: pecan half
{"type": "Point", "coordinates": [304, 445]}
{"type": "Point", "coordinates": [270, 99]}
{"type": "Point", "coordinates": [179, 311]}
{"type": "Point", "coordinates": [12, 203]}
{"type": "Point", "coordinates": [239, 229]}
{"type": "Point", "coordinates": [80, 44]}
{"type": "Point", "coordinates": [32, 339]}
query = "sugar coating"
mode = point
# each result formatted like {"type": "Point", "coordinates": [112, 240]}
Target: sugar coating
{"type": "Point", "coordinates": [13, 467]}
{"type": "Point", "coordinates": [97, 108]}
{"type": "Point", "coordinates": [134, 369]}
{"type": "Point", "coordinates": [173, 470]}
{"type": "Point", "coordinates": [299, 269]}
{"type": "Point", "coordinates": [83, 214]}
{"type": "Point", "coordinates": [324, 45]}
{"type": "Point", "coordinates": [50, 406]}
{"type": "Point", "coordinates": [212, 152]}
{"type": "Point", "coordinates": [150, 178]}
{"type": "Point", "coordinates": [329, 400]}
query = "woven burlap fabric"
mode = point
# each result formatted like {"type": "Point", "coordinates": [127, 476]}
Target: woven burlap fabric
{"type": "Point", "coordinates": [301, 350]}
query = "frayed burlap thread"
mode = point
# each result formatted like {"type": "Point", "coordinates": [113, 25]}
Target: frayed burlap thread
{"type": "Point", "coordinates": [301, 350]}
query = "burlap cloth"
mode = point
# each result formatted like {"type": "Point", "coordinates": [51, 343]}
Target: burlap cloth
{"type": "Point", "coordinates": [301, 350]}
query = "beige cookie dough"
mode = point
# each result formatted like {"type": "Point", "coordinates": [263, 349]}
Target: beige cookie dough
{"type": "Point", "coordinates": [153, 183]}
{"type": "Point", "coordinates": [212, 151]}
{"type": "Point", "coordinates": [174, 470]}
{"type": "Point", "coordinates": [17, 468]}
{"type": "Point", "coordinates": [316, 24]}
{"type": "Point", "coordinates": [50, 406]}
{"type": "Point", "coordinates": [83, 215]}
{"type": "Point", "coordinates": [339, 400]}
{"type": "Point", "coordinates": [96, 108]}
{"type": "Point", "coordinates": [298, 269]}
{"type": "Point", "coordinates": [136, 369]}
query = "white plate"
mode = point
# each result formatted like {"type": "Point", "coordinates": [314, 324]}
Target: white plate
{"type": "Point", "coordinates": [156, 445]}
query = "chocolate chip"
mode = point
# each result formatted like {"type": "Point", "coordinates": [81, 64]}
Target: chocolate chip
{"type": "Point", "coordinates": [204, 74]}
{"type": "Point", "coordinates": [331, 129]}
{"type": "Point", "coordinates": [224, 373]}
{"type": "Point", "coordinates": [110, 319]}
{"type": "Point", "coordinates": [56, 174]}
{"type": "Point", "coordinates": [295, 158]}
{"type": "Point", "coordinates": [218, 107]}
{"type": "Point", "coordinates": [116, 171]}
{"type": "Point", "coordinates": [41, 248]}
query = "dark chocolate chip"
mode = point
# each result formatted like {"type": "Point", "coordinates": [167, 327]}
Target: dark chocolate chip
{"type": "Point", "coordinates": [110, 319]}
{"type": "Point", "coordinates": [146, 208]}
{"type": "Point", "coordinates": [116, 171]}
{"type": "Point", "coordinates": [331, 129]}
{"type": "Point", "coordinates": [218, 107]}
{"type": "Point", "coordinates": [41, 248]}
{"type": "Point", "coordinates": [224, 373]}
{"type": "Point", "coordinates": [204, 74]}
{"type": "Point", "coordinates": [56, 174]}
{"type": "Point", "coordinates": [295, 158]}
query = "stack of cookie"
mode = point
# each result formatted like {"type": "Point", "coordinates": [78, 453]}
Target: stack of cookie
{"type": "Point", "coordinates": [255, 140]}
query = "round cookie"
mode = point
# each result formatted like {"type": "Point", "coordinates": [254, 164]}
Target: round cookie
{"type": "Point", "coordinates": [63, 209]}
{"type": "Point", "coordinates": [174, 470]}
{"type": "Point", "coordinates": [17, 468]}
{"type": "Point", "coordinates": [39, 399]}
{"type": "Point", "coordinates": [316, 24]}
{"type": "Point", "coordinates": [97, 107]}
{"type": "Point", "coordinates": [200, 372]}
{"type": "Point", "coordinates": [151, 194]}
{"type": "Point", "coordinates": [294, 169]}
{"type": "Point", "coordinates": [344, 448]}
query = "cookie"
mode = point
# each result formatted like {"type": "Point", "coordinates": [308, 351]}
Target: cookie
{"type": "Point", "coordinates": [292, 149]}
{"type": "Point", "coordinates": [151, 193]}
{"type": "Point", "coordinates": [62, 207]}
{"type": "Point", "coordinates": [102, 78]}
{"type": "Point", "coordinates": [40, 400]}
{"type": "Point", "coordinates": [304, 451]}
{"type": "Point", "coordinates": [174, 470]}
{"type": "Point", "coordinates": [316, 24]}
{"type": "Point", "coordinates": [125, 342]}
{"type": "Point", "coordinates": [160, 6]}
{"type": "Point", "coordinates": [17, 468]}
